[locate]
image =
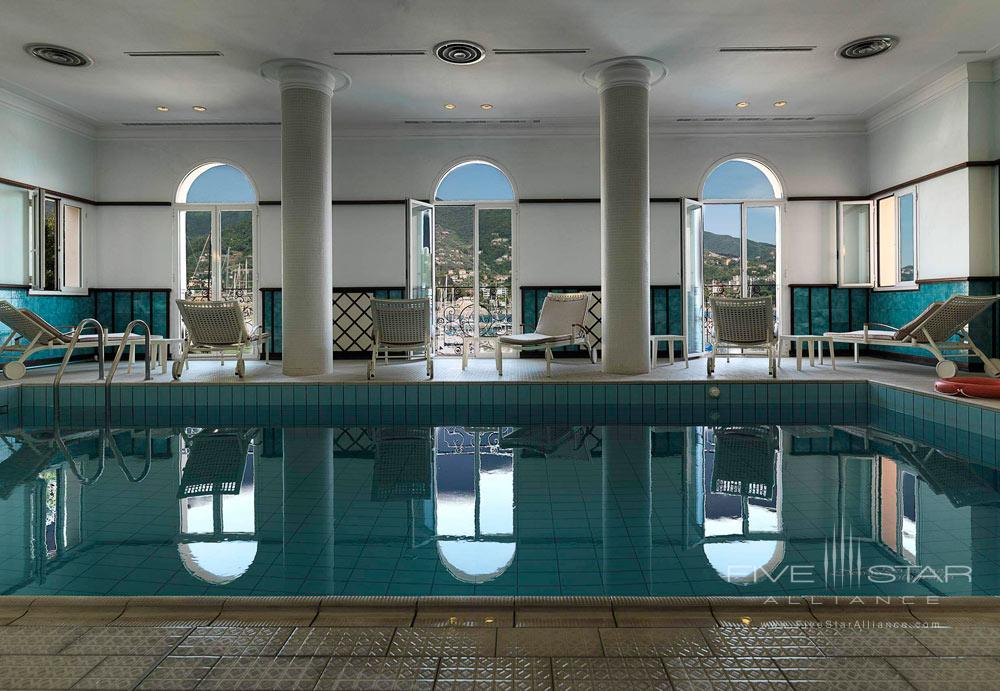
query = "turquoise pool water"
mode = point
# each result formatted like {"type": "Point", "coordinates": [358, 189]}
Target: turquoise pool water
{"type": "Point", "coordinates": [856, 491]}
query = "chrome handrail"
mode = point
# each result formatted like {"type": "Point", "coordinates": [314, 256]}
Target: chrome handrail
{"type": "Point", "coordinates": [72, 344]}
{"type": "Point", "coordinates": [121, 349]}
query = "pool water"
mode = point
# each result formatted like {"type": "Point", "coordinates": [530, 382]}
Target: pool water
{"type": "Point", "coordinates": [558, 509]}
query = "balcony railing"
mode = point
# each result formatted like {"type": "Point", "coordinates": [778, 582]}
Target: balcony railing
{"type": "Point", "coordinates": [455, 316]}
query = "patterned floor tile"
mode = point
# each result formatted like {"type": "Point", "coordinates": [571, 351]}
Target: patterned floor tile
{"type": "Point", "coordinates": [127, 640]}
{"type": "Point", "coordinates": [37, 640]}
{"type": "Point", "coordinates": [654, 642]}
{"type": "Point", "coordinates": [250, 673]}
{"type": "Point", "coordinates": [760, 642]}
{"type": "Point", "coordinates": [248, 640]}
{"type": "Point", "coordinates": [559, 642]}
{"type": "Point", "coordinates": [118, 672]}
{"type": "Point", "coordinates": [348, 641]}
{"type": "Point", "coordinates": [268, 616]}
{"type": "Point", "coordinates": [420, 642]}
{"type": "Point", "coordinates": [523, 673]}
{"type": "Point", "coordinates": [609, 673]}
{"type": "Point", "coordinates": [836, 642]}
{"type": "Point", "coordinates": [178, 673]}
{"type": "Point", "coordinates": [842, 672]}
{"type": "Point", "coordinates": [719, 672]}
{"type": "Point", "coordinates": [949, 672]}
{"type": "Point", "coordinates": [24, 672]}
{"type": "Point", "coordinates": [960, 641]}
{"type": "Point", "coordinates": [379, 673]}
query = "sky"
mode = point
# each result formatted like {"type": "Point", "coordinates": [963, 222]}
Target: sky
{"type": "Point", "coordinates": [221, 185]}
{"type": "Point", "coordinates": [739, 180]}
{"type": "Point", "coordinates": [475, 181]}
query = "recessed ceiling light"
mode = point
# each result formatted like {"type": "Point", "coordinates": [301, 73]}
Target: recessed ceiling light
{"type": "Point", "coordinates": [199, 109]}
{"type": "Point", "coordinates": [162, 109]}
{"type": "Point", "coordinates": [780, 104]}
{"type": "Point", "coordinates": [743, 104]}
{"type": "Point", "coordinates": [487, 106]}
{"type": "Point", "coordinates": [449, 106]}
{"type": "Point", "coordinates": [868, 47]}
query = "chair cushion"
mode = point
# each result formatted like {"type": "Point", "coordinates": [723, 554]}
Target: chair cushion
{"type": "Point", "coordinates": [559, 314]}
{"type": "Point", "coordinates": [859, 336]}
{"type": "Point", "coordinates": [534, 339]}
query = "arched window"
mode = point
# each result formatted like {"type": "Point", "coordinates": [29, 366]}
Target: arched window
{"type": "Point", "coordinates": [741, 179]}
{"type": "Point", "coordinates": [474, 250]}
{"type": "Point", "coordinates": [216, 226]}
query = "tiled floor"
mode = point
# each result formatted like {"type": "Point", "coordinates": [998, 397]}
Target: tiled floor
{"type": "Point", "coordinates": [693, 644]}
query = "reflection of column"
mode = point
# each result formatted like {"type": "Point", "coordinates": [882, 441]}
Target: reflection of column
{"type": "Point", "coordinates": [306, 213]}
{"type": "Point", "coordinates": [626, 456]}
{"type": "Point", "coordinates": [624, 84]}
{"type": "Point", "coordinates": [308, 486]}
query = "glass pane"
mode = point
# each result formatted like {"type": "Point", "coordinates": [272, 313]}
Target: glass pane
{"type": "Point", "coordinates": [907, 225]}
{"type": "Point", "coordinates": [722, 250]}
{"type": "Point", "coordinates": [762, 249]}
{"type": "Point", "coordinates": [495, 276]}
{"type": "Point", "coordinates": [219, 183]}
{"type": "Point", "coordinates": [740, 179]}
{"type": "Point", "coordinates": [474, 181]}
{"type": "Point", "coordinates": [236, 259]}
{"type": "Point", "coordinates": [856, 239]}
{"type": "Point", "coordinates": [454, 260]}
{"type": "Point", "coordinates": [421, 248]}
{"type": "Point", "coordinates": [71, 246]}
{"type": "Point", "coordinates": [887, 257]}
{"type": "Point", "coordinates": [50, 247]}
{"type": "Point", "coordinates": [197, 254]}
{"type": "Point", "coordinates": [14, 225]}
{"type": "Point", "coordinates": [693, 280]}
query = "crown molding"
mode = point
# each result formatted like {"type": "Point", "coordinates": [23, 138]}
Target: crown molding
{"type": "Point", "coordinates": [17, 99]}
{"type": "Point", "coordinates": [943, 85]}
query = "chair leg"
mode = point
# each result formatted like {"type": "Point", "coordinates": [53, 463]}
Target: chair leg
{"type": "Point", "coordinates": [548, 362]}
{"type": "Point", "coordinates": [499, 360]}
{"type": "Point", "coordinates": [857, 349]}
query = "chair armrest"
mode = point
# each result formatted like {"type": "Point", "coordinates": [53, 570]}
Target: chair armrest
{"type": "Point", "coordinates": [869, 325]}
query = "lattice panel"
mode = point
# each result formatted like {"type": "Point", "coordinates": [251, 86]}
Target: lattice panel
{"type": "Point", "coordinates": [352, 322]}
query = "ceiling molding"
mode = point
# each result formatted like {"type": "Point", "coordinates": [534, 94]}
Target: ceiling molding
{"type": "Point", "coordinates": [941, 86]}
{"type": "Point", "coordinates": [33, 107]}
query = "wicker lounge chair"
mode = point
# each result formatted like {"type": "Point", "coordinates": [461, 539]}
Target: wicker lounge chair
{"type": "Point", "coordinates": [217, 327]}
{"type": "Point", "coordinates": [560, 323]}
{"type": "Point", "coordinates": [931, 331]}
{"type": "Point", "coordinates": [401, 326]}
{"type": "Point", "coordinates": [743, 327]}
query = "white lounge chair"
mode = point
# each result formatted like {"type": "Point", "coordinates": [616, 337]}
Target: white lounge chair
{"type": "Point", "coordinates": [931, 331]}
{"type": "Point", "coordinates": [560, 323]}
{"type": "Point", "coordinates": [401, 325]}
{"type": "Point", "coordinates": [743, 327]}
{"type": "Point", "coordinates": [217, 327]}
{"type": "Point", "coordinates": [30, 334]}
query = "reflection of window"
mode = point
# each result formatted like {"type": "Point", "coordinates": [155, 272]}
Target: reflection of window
{"type": "Point", "coordinates": [57, 245]}
{"type": "Point", "coordinates": [897, 238]}
{"type": "Point", "coordinates": [898, 503]}
{"type": "Point", "coordinates": [473, 503]}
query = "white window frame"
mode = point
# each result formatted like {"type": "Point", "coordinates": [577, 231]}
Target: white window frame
{"type": "Point", "coordinates": [842, 247]}
{"type": "Point", "coordinates": [877, 248]}
{"type": "Point", "coordinates": [36, 276]}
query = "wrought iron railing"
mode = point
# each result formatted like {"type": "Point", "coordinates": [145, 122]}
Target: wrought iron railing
{"type": "Point", "coordinates": [455, 316]}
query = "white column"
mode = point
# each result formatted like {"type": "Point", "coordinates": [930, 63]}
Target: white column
{"type": "Point", "coordinates": [623, 84]}
{"type": "Point", "coordinates": [306, 213]}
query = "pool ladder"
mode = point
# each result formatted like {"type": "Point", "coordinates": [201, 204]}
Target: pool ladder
{"type": "Point", "coordinates": [89, 321]}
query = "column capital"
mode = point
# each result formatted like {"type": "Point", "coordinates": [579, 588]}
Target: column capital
{"type": "Point", "coordinates": [305, 74]}
{"type": "Point", "coordinates": [627, 70]}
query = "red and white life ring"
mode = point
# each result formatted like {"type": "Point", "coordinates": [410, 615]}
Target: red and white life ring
{"type": "Point", "coordinates": [971, 387]}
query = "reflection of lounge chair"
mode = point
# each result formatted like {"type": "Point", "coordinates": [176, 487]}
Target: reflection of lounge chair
{"type": "Point", "coordinates": [403, 457]}
{"type": "Point", "coordinates": [217, 327]}
{"type": "Point", "coordinates": [24, 459]}
{"type": "Point", "coordinates": [744, 462]}
{"type": "Point", "coordinates": [401, 325]}
{"type": "Point", "coordinates": [215, 463]}
{"type": "Point", "coordinates": [560, 323]}
{"type": "Point", "coordinates": [743, 327]}
{"type": "Point", "coordinates": [546, 440]}
{"type": "Point", "coordinates": [30, 334]}
{"type": "Point", "coordinates": [930, 331]}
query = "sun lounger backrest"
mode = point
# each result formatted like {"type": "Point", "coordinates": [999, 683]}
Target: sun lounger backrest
{"type": "Point", "coordinates": [743, 320]}
{"type": "Point", "coordinates": [214, 322]}
{"type": "Point", "coordinates": [952, 315]}
{"type": "Point", "coordinates": [560, 312]}
{"type": "Point", "coordinates": [401, 322]}
{"type": "Point", "coordinates": [29, 325]}
{"type": "Point", "coordinates": [903, 332]}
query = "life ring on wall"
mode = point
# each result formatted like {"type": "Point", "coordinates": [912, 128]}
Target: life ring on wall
{"type": "Point", "coordinates": [971, 387]}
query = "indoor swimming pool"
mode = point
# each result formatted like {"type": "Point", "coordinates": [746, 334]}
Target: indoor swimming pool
{"type": "Point", "coordinates": [863, 491]}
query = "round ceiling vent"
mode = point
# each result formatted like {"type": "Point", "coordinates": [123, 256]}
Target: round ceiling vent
{"type": "Point", "coordinates": [459, 52]}
{"type": "Point", "coordinates": [58, 55]}
{"type": "Point", "coordinates": [868, 47]}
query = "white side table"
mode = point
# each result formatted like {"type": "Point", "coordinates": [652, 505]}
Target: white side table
{"type": "Point", "coordinates": [670, 340]}
{"type": "Point", "coordinates": [813, 345]}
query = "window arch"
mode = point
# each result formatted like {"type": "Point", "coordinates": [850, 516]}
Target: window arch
{"type": "Point", "coordinates": [741, 177]}
{"type": "Point", "coordinates": [216, 182]}
{"type": "Point", "coordinates": [474, 180]}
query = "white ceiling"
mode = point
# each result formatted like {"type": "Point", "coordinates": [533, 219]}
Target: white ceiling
{"type": "Point", "coordinates": [686, 36]}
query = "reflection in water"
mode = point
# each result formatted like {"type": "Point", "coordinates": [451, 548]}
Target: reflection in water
{"type": "Point", "coordinates": [531, 510]}
{"type": "Point", "coordinates": [216, 496]}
